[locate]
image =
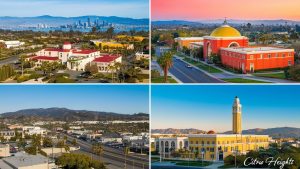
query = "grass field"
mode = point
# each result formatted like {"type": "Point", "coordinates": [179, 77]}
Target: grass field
{"type": "Point", "coordinates": [272, 75]}
{"type": "Point", "coordinates": [161, 80]}
{"type": "Point", "coordinates": [202, 66]}
{"type": "Point", "coordinates": [241, 80]}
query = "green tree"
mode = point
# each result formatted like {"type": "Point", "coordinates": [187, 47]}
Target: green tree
{"type": "Point", "coordinates": [98, 149]}
{"type": "Point", "coordinates": [47, 142]}
{"type": "Point", "coordinates": [74, 142]}
{"type": "Point", "coordinates": [166, 62]}
{"type": "Point", "coordinates": [80, 161]}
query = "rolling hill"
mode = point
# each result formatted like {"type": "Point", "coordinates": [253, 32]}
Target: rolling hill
{"type": "Point", "coordinates": [64, 114]}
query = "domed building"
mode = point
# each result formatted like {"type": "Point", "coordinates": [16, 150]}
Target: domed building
{"type": "Point", "coordinates": [235, 52]}
{"type": "Point", "coordinates": [223, 36]}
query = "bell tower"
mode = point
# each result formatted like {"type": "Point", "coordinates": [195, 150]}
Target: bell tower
{"type": "Point", "coordinates": [236, 116]}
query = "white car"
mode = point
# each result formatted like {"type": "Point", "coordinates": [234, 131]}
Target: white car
{"type": "Point", "coordinates": [188, 66]}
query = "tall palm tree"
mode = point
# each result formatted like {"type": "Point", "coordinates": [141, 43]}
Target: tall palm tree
{"type": "Point", "coordinates": [98, 150]}
{"type": "Point", "coordinates": [166, 62]}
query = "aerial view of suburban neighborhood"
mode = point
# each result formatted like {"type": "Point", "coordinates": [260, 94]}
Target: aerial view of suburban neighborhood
{"type": "Point", "coordinates": [228, 46]}
{"type": "Point", "coordinates": [74, 133]}
{"type": "Point", "coordinates": [231, 131]}
{"type": "Point", "coordinates": [72, 48]}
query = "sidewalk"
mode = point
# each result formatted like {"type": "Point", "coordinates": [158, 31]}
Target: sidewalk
{"type": "Point", "coordinates": [155, 66]}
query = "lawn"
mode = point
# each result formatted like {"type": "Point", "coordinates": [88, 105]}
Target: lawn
{"type": "Point", "coordinates": [241, 80]}
{"type": "Point", "coordinates": [184, 162]}
{"type": "Point", "coordinates": [194, 163]}
{"type": "Point", "coordinates": [202, 66]}
{"type": "Point", "coordinates": [161, 80]}
{"type": "Point", "coordinates": [272, 75]}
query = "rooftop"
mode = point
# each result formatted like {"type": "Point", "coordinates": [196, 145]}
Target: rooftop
{"type": "Point", "coordinates": [224, 135]}
{"type": "Point", "coordinates": [24, 160]}
{"type": "Point", "coordinates": [256, 49]}
{"type": "Point", "coordinates": [106, 58]}
{"type": "Point", "coordinates": [44, 58]}
{"type": "Point", "coordinates": [190, 38]}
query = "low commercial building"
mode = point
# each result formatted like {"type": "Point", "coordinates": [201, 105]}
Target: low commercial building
{"type": "Point", "coordinates": [7, 134]}
{"type": "Point", "coordinates": [26, 161]}
{"type": "Point", "coordinates": [141, 55]}
{"type": "Point", "coordinates": [12, 44]}
{"type": "Point", "coordinates": [4, 150]}
{"type": "Point", "coordinates": [185, 41]}
{"type": "Point", "coordinates": [31, 130]}
{"type": "Point", "coordinates": [160, 50]}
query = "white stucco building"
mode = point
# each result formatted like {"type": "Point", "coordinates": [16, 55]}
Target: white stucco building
{"type": "Point", "coordinates": [75, 59]}
{"type": "Point", "coordinates": [165, 145]}
{"type": "Point", "coordinates": [31, 130]}
{"type": "Point", "coordinates": [12, 44]}
{"type": "Point", "coordinates": [105, 61]}
{"type": "Point", "coordinates": [4, 150]}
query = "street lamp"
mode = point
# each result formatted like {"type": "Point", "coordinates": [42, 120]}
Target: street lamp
{"type": "Point", "coordinates": [202, 155]}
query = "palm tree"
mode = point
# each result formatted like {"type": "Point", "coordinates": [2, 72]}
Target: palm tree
{"type": "Point", "coordinates": [112, 69]}
{"type": "Point", "coordinates": [165, 62]}
{"type": "Point", "coordinates": [98, 150]}
{"type": "Point", "coordinates": [126, 152]}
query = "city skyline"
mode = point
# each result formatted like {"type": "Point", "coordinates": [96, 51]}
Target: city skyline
{"type": "Point", "coordinates": [118, 99]}
{"type": "Point", "coordinates": [210, 107]}
{"type": "Point", "coordinates": [197, 10]}
{"type": "Point", "coordinates": [32, 8]}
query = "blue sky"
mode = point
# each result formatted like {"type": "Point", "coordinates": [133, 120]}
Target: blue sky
{"type": "Point", "coordinates": [123, 8]}
{"type": "Point", "coordinates": [113, 98]}
{"type": "Point", "coordinates": [209, 107]}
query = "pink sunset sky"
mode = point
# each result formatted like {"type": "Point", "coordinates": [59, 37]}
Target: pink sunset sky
{"type": "Point", "coordinates": [194, 10]}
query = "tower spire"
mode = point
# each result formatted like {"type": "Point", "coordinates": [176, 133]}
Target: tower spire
{"type": "Point", "coordinates": [225, 21]}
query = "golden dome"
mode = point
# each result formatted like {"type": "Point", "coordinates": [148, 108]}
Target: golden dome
{"type": "Point", "coordinates": [225, 31]}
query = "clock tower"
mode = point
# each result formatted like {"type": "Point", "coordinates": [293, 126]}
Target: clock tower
{"type": "Point", "coordinates": [236, 116]}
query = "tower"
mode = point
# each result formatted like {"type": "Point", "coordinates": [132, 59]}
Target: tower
{"type": "Point", "coordinates": [236, 116]}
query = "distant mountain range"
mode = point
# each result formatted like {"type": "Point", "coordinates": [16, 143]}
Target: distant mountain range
{"type": "Point", "coordinates": [57, 21]}
{"type": "Point", "coordinates": [63, 114]}
{"type": "Point", "coordinates": [177, 131]}
{"type": "Point", "coordinates": [282, 132]}
{"type": "Point", "coordinates": [220, 21]}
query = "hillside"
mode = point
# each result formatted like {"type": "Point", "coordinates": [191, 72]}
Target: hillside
{"type": "Point", "coordinates": [63, 114]}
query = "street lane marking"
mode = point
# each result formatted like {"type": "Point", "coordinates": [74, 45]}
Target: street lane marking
{"type": "Point", "coordinates": [185, 75]}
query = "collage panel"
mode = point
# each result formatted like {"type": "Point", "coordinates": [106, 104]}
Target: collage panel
{"type": "Point", "coordinates": [214, 41]}
{"type": "Point", "coordinates": [225, 126]}
{"type": "Point", "coordinates": [74, 41]}
{"type": "Point", "coordinates": [74, 126]}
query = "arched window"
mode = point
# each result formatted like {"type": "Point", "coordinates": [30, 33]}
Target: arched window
{"type": "Point", "coordinates": [233, 45]}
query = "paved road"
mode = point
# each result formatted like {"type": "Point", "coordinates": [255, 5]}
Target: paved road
{"type": "Point", "coordinates": [190, 75]}
{"type": "Point", "coordinates": [114, 157]}
{"type": "Point", "coordinates": [9, 60]}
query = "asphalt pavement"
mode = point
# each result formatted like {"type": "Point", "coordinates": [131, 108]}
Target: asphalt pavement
{"type": "Point", "coordinates": [189, 74]}
{"type": "Point", "coordinates": [114, 158]}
